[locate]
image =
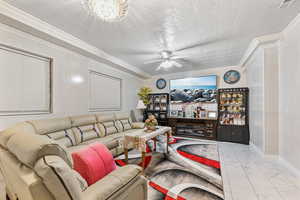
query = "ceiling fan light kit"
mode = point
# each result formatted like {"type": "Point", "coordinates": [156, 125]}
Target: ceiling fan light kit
{"type": "Point", "coordinates": [107, 10]}
{"type": "Point", "coordinates": [167, 60]}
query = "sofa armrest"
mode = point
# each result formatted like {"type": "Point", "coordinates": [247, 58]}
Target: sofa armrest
{"type": "Point", "coordinates": [123, 180]}
{"type": "Point", "coordinates": [138, 125]}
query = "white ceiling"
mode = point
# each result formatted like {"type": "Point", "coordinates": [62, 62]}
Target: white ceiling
{"type": "Point", "coordinates": [209, 33]}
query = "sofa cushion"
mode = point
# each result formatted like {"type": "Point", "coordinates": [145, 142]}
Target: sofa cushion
{"type": "Point", "coordinates": [106, 124]}
{"type": "Point", "coordinates": [83, 120]}
{"type": "Point", "coordinates": [20, 128]}
{"type": "Point", "coordinates": [85, 128]}
{"type": "Point", "coordinates": [17, 175]}
{"type": "Point", "coordinates": [86, 133]}
{"type": "Point", "coordinates": [65, 137]}
{"type": "Point", "coordinates": [56, 129]}
{"type": "Point", "coordinates": [141, 131]}
{"type": "Point", "coordinates": [59, 178]}
{"type": "Point", "coordinates": [29, 152]}
{"type": "Point", "coordinates": [117, 136]}
{"type": "Point", "coordinates": [93, 162]}
{"type": "Point", "coordinates": [82, 182]}
{"type": "Point", "coordinates": [105, 117]}
{"type": "Point", "coordinates": [111, 184]}
{"type": "Point", "coordinates": [112, 145]}
{"type": "Point", "coordinates": [46, 126]}
{"type": "Point", "coordinates": [137, 125]}
{"type": "Point", "coordinates": [123, 121]}
{"type": "Point", "coordinates": [108, 141]}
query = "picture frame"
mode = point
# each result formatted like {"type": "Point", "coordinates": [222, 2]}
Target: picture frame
{"type": "Point", "coordinates": [173, 113]}
{"type": "Point", "coordinates": [163, 116]}
{"type": "Point", "coordinates": [212, 114]}
{"type": "Point", "coordinates": [203, 114]}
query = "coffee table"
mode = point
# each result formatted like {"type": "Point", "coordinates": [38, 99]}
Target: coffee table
{"type": "Point", "coordinates": [140, 138]}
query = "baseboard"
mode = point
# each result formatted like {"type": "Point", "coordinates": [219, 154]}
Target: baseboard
{"type": "Point", "coordinates": [281, 160]}
{"type": "Point", "coordinates": [261, 153]}
{"type": "Point", "coordinates": [256, 149]}
{"type": "Point", "coordinates": [288, 165]}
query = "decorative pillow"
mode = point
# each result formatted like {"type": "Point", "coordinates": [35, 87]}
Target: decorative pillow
{"type": "Point", "coordinates": [93, 162]}
{"type": "Point", "coordinates": [108, 128]}
{"type": "Point", "coordinates": [105, 155]}
{"type": "Point", "coordinates": [138, 125]}
{"type": "Point", "coordinates": [125, 124]}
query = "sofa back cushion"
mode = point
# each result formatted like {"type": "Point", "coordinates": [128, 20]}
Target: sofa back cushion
{"type": "Point", "coordinates": [29, 148]}
{"type": "Point", "coordinates": [57, 129]}
{"type": "Point", "coordinates": [124, 121]}
{"type": "Point", "coordinates": [93, 162]}
{"type": "Point", "coordinates": [85, 128]}
{"type": "Point", "coordinates": [20, 128]}
{"type": "Point", "coordinates": [106, 124]}
{"type": "Point", "coordinates": [59, 178]}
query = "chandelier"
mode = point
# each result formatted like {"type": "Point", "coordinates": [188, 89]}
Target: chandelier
{"type": "Point", "coordinates": [107, 10]}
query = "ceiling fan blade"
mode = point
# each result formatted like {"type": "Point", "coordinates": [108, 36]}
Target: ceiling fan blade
{"type": "Point", "coordinates": [177, 64]}
{"type": "Point", "coordinates": [153, 61]}
{"type": "Point", "coordinates": [158, 68]}
{"type": "Point", "coordinates": [178, 57]}
{"type": "Point", "coordinates": [189, 47]}
{"type": "Point", "coordinates": [201, 44]}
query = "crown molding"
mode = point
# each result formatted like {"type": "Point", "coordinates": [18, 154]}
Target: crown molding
{"type": "Point", "coordinates": [292, 25]}
{"type": "Point", "coordinates": [268, 39]}
{"type": "Point", "coordinates": [23, 21]}
{"type": "Point", "coordinates": [257, 42]}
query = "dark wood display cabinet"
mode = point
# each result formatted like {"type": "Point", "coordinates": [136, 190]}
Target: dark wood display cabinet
{"type": "Point", "coordinates": [194, 128]}
{"type": "Point", "coordinates": [233, 122]}
{"type": "Point", "coordinates": [159, 107]}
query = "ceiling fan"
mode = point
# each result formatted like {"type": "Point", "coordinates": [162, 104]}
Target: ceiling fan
{"type": "Point", "coordinates": [167, 60]}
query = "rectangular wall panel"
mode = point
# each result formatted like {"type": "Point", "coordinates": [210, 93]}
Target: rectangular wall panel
{"type": "Point", "coordinates": [105, 92]}
{"type": "Point", "coordinates": [25, 82]}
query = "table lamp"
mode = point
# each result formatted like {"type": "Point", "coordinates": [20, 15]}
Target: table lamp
{"type": "Point", "coordinates": [141, 106]}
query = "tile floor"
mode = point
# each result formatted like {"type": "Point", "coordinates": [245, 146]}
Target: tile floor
{"type": "Point", "coordinates": [249, 176]}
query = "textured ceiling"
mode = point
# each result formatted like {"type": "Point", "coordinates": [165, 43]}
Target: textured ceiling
{"type": "Point", "coordinates": [208, 33]}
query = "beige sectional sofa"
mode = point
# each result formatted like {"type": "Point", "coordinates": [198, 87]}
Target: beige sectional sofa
{"type": "Point", "coordinates": [31, 151]}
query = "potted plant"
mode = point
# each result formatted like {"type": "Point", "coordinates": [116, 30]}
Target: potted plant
{"type": "Point", "coordinates": [144, 100]}
{"type": "Point", "coordinates": [144, 94]}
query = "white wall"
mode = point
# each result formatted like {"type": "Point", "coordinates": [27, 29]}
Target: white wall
{"type": "Point", "coordinates": [212, 71]}
{"type": "Point", "coordinates": [69, 97]}
{"type": "Point", "coordinates": [255, 74]}
{"type": "Point", "coordinates": [289, 96]}
{"type": "Point", "coordinates": [262, 78]}
{"type": "Point", "coordinates": [273, 72]}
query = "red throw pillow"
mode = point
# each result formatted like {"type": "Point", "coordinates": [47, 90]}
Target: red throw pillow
{"type": "Point", "coordinates": [93, 162]}
{"type": "Point", "coordinates": [105, 155]}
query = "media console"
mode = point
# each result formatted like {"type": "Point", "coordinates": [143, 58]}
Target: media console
{"type": "Point", "coordinates": [195, 128]}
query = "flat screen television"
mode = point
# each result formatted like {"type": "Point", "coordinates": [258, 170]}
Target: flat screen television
{"type": "Point", "coordinates": [198, 89]}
